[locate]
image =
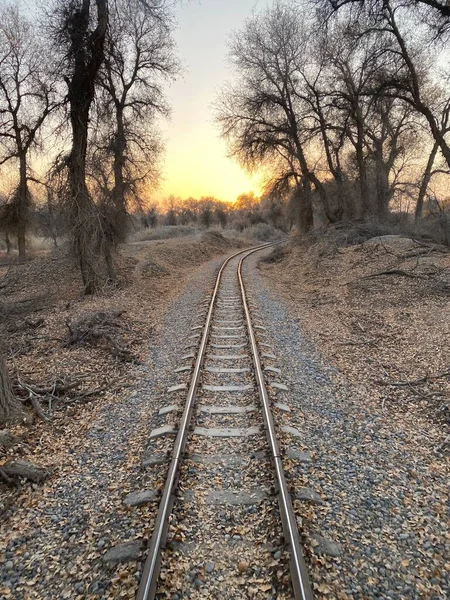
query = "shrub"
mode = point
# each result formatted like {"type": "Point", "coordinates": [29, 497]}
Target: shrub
{"type": "Point", "coordinates": [262, 232]}
{"type": "Point", "coordinates": [164, 232]}
{"type": "Point", "coordinates": [277, 254]}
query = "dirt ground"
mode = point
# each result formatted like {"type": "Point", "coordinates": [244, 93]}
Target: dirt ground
{"type": "Point", "coordinates": [380, 312]}
{"type": "Point", "coordinates": [41, 301]}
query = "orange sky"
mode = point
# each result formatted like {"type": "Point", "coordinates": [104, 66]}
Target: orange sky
{"type": "Point", "coordinates": [196, 161]}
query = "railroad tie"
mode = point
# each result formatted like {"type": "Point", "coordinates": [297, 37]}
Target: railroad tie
{"type": "Point", "coordinates": [228, 388]}
{"type": "Point", "coordinates": [227, 410]}
{"type": "Point", "coordinates": [279, 386]}
{"type": "Point", "coordinates": [273, 370]}
{"type": "Point", "coordinates": [224, 370]}
{"type": "Point", "coordinates": [226, 432]}
{"type": "Point", "coordinates": [183, 369]}
{"type": "Point", "coordinates": [227, 356]}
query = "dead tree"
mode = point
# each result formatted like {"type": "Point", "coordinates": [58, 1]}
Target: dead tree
{"type": "Point", "coordinates": [139, 58]}
{"type": "Point", "coordinates": [263, 117]}
{"type": "Point", "coordinates": [436, 13]}
{"type": "Point", "coordinates": [27, 97]}
{"type": "Point", "coordinates": [82, 32]}
{"type": "Point", "coordinates": [426, 178]}
{"type": "Point", "coordinates": [409, 86]}
{"type": "Point", "coordinates": [408, 80]}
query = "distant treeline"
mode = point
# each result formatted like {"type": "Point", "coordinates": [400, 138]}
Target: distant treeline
{"type": "Point", "coordinates": [207, 212]}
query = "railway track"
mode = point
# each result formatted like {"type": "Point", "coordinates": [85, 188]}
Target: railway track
{"type": "Point", "coordinates": [225, 526]}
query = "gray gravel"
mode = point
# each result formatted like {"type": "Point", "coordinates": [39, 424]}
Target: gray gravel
{"type": "Point", "coordinates": [227, 514]}
{"type": "Point", "coordinates": [385, 503]}
{"type": "Point", "coordinates": [55, 549]}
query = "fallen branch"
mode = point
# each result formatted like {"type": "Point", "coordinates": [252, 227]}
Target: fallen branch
{"type": "Point", "coordinates": [99, 326]}
{"type": "Point", "coordinates": [413, 382]}
{"type": "Point", "coordinates": [89, 393]}
{"type": "Point", "coordinates": [400, 272]}
{"type": "Point", "coordinates": [55, 388]}
{"type": "Point", "coordinates": [23, 469]}
{"type": "Point", "coordinates": [38, 408]}
{"type": "Point", "coordinates": [33, 399]}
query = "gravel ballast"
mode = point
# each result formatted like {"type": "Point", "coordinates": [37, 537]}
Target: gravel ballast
{"type": "Point", "coordinates": [385, 515]}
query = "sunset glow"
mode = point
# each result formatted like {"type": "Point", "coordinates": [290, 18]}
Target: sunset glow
{"type": "Point", "coordinates": [196, 162]}
{"type": "Point", "coordinates": [198, 166]}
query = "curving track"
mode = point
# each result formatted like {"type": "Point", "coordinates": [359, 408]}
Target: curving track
{"type": "Point", "coordinates": [226, 508]}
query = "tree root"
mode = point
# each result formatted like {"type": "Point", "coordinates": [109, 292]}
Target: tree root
{"type": "Point", "coordinates": [36, 394]}
{"type": "Point", "coordinates": [97, 327]}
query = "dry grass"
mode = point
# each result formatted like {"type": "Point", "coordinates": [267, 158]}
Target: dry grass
{"type": "Point", "coordinates": [379, 311]}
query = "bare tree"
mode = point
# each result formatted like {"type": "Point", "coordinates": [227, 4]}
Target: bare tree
{"type": "Point", "coordinates": [426, 178]}
{"type": "Point", "coordinates": [81, 31]}
{"type": "Point", "coordinates": [139, 58]}
{"type": "Point", "coordinates": [410, 84]}
{"type": "Point", "coordinates": [436, 13]}
{"type": "Point", "coordinates": [263, 116]}
{"type": "Point", "coordinates": [354, 63]}
{"type": "Point", "coordinates": [411, 57]}
{"type": "Point", "coordinates": [27, 97]}
{"type": "Point", "coordinates": [391, 129]}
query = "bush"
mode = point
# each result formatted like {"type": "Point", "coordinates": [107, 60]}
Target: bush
{"type": "Point", "coordinates": [277, 254]}
{"type": "Point", "coordinates": [164, 232]}
{"type": "Point", "coordinates": [358, 233]}
{"type": "Point", "coordinates": [262, 232]}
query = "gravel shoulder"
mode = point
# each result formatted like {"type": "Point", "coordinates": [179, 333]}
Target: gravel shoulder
{"type": "Point", "coordinates": [384, 486]}
{"type": "Point", "coordinates": [56, 535]}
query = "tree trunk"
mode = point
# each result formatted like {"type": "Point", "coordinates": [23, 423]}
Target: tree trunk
{"type": "Point", "coordinates": [336, 215]}
{"type": "Point", "coordinates": [302, 200]}
{"type": "Point", "coordinates": [8, 243]}
{"type": "Point", "coordinates": [110, 268]}
{"type": "Point", "coordinates": [348, 200]}
{"type": "Point", "coordinates": [117, 216]}
{"type": "Point", "coordinates": [22, 206]}
{"type": "Point", "coordinates": [320, 189]}
{"type": "Point", "coordinates": [52, 225]}
{"type": "Point", "coordinates": [9, 406]}
{"type": "Point", "coordinates": [86, 225]}
{"type": "Point", "coordinates": [84, 220]}
{"type": "Point", "coordinates": [424, 185]}
{"type": "Point", "coordinates": [362, 170]}
{"type": "Point", "coordinates": [383, 189]}
{"type": "Point", "coordinates": [119, 166]}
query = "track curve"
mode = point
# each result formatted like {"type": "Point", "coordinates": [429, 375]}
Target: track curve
{"type": "Point", "coordinates": [228, 320]}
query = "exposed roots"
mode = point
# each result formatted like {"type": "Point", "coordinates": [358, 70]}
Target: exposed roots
{"type": "Point", "coordinates": [99, 326]}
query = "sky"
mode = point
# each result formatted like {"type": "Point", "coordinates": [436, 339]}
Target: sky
{"type": "Point", "coordinates": [196, 162]}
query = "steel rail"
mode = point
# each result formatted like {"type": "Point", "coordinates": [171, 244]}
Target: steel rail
{"type": "Point", "coordinates": [150, 573]}
{"type": "Point", "coordinates": [299, 574]}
